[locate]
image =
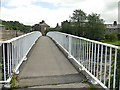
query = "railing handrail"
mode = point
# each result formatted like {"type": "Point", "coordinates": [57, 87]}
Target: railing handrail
{"type": "Point", "coordinates": [98, 59]}
{"type": "Point", "coordinates": [15, 51]}
{"type": "Point", "coordinates": [16, 38]}
{"type": "Point", "coordinates": [93, 41]}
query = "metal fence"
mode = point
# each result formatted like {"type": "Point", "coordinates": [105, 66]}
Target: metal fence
{"type": "Point", "coordinates": [98, 59]}
{"type": "Point", "coordinates": [14, 52]}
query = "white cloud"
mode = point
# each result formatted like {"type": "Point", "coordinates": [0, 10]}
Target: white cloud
{"type": "Point", "coordinates": [30, 14]}
{"type": "Point", "coordinates": [19, 3]}
{"type": "Point", "coordinates": [34, 14]}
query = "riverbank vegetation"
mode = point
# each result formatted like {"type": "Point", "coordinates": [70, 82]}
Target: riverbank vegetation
{"type": "Point", "coordinates": [80, 24]}
{"type": "Point", "coordinates": [15, 25]}
{"type": "Point", "coordinates": [90, 26]}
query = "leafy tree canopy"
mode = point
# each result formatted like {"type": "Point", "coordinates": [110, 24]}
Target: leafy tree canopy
{"type": "Point", "coordinates": [15, 25]}
{"type": "Point", "coordinates": [91, 26]}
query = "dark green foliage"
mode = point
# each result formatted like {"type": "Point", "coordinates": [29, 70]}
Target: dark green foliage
{"type": "Point", "coordinates": [111, 37]}
{"type": "Point", "coordinates": [78, 19]}
{"type": "Point", "coordinates": [51, 29]}
{"type": "Point", "coordinates": [92, 87]}
{"type": "Point", "coordinates": [54, 84]}
{"type": "Point", "coordinates": [15, 25]}
{"type": "Point", "coordinates": [66, 28]}
{"type": "Point", "coordinates": [90, 26]}
{"type": "Point", "coordinates": [95, 27]}
{"type": "Point", "coordinates": [13, 81]}
{"type": "Point", "coordinates": [84, 81]}
{"type": "Point", "coordinates": [118, 35]}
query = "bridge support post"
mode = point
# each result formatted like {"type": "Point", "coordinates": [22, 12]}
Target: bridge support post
{"type": "Point", "coordinates": [70, 47]}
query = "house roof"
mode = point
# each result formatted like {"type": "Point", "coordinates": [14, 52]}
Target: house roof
{"type": "Point", "coordinates": [43, 23]}
{"type": "Point", "coordinates": [112, 26]}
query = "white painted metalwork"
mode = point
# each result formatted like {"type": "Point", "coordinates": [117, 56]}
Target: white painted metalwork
{"type": "Point", "coordinates": [105, 65]}
{"type": "Point", "coordinates": [115, 67]}
{"type": "Point", "coordinates": [110, 66]}
{"type": "Point", "coordinates": [14, 52]}
{"type": "Point", "coordinates": [101, 63]}
{"type": "Point", "coordinates": [98, 59]}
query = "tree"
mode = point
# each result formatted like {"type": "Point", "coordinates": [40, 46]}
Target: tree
{"type": "Point", "coordinates": [118, 35]}
{"type": "Point", "coordinates": [95, 27]}
{"type": "Point", "coordinates": [78, 20]}
{"type": "Point", "coordinates": [66, 28]}
{"type": "Point", "coordinates": [111, 37]}
{"type": "Point", "coordinates": [15, 25]}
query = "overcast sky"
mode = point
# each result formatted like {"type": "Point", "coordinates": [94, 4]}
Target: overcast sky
{"type": "Point", "coordinates": [30, 12]}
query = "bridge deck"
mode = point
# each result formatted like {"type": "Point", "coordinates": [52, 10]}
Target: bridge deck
{"type": "Point", "coordinates": [47, 65]}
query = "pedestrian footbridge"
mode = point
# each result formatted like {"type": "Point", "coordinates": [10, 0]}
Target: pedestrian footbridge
{"type": "Point", "coordinates": [59, 60]}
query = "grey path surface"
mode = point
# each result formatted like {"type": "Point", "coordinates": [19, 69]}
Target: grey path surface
{"type": "Point", "coordinates": [46, 65]}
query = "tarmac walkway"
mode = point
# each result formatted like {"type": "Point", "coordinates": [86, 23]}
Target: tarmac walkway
{"type": "Point", "coordinates": [47, 66]}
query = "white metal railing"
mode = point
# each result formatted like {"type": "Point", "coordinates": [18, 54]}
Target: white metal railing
{"type": "Point", "coordinates": [14, 52]}
{"type": "Point", "coordinates": [96, 58]}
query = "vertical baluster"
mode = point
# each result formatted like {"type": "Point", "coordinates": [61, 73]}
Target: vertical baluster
{"type": "Point", "coordinates": [12, 57]}
{"type": "Point", "coordinates": [70, 42]}
{"type": "Point", "coordinates": [110, 67]}
{"type": "Point", "coordinates": [94, 59]}
{"type": "Point", "coordinates": [83, 54]}
{"type": "Point", "coordinates": [101, 63]}
{"type": "Point", "coordinates": [76, 48]}
{"type": "Point", "coordinates": [98, 60]}
{"type": "Point", "coordinates": [89, 54]}
{"type": "Point", "coordinates": [80, 51]}
{"type": "Point", "coordinates": [17, 51]}
{"type": "Point", "coordinates": [105, 65]}
{"type": "Point", "coordinates": [115, 68]}
{"type": "Point", "coordinates": [8, 57]}
{"type": "Point", "coordinates": [10, 47]}
{"type": "Point", "coordinates": [73, 48]}
{"type": "Point", "coordinates": [15, 54]}
{"type": "Point", "coordinates": [4, 62]}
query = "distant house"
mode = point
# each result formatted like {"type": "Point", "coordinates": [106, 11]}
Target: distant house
{"type": "Point", "coordinates": [42, 27]}
{"type": "Point", "coordinates": [113, 28]}
{"type": "Point", "coordinates": [2, 27]}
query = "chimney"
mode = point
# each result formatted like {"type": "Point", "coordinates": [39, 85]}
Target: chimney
{"type": "Point", "coordinates": [43, 21]}
{"type": "Point", "coordinates": [115, 23]}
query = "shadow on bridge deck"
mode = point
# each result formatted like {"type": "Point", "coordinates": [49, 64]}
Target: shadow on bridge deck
{"type": "Point", "coordinates": [47, 65]}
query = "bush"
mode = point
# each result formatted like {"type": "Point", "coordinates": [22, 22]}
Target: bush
{"type": "Point", "coordinates": [118, 36]}
{"type": "Point", "coordinates": [111, 37]}
{"type": "Point", "coordinates": [92, 87]}
{"type": "Point", "coordinates": [51, 29]}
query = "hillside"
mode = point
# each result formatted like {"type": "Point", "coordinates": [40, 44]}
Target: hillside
{"type": "Point", "coordinates": [15, 25]}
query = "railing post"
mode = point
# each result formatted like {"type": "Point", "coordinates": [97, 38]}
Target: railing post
{"type": "Point", "coordinates": [70, 46]}
{"type": "Point", "coordinates": [118, 68]}
{"type": "Point", "coordinates": [4, 66]}
{"type": "Point", "coordinates": [103, 59]}
{"type": "Point", "coordinates": [119, 84]}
